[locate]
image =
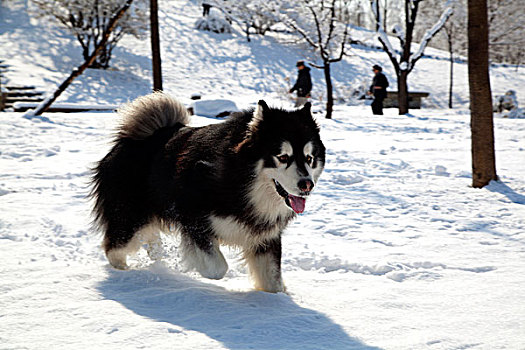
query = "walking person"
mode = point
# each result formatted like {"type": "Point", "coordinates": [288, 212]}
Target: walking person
{"type": "Point", "coordinates": [378, 89]}
{"type": "Point", "coordinates": [303, 85]}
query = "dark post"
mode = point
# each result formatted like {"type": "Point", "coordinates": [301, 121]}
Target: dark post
{"type": "Point", "coordinates": [329, 90]}
{"type": "Point", "coordinates": [451, 58]}
{"type": "Point", "coordinates": [155, 46]}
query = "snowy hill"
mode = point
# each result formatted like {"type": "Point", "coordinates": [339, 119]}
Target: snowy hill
{"type": "Point", "coordinates": [220, 65]}
{"type": "Point", "coordinates": [394, 251]}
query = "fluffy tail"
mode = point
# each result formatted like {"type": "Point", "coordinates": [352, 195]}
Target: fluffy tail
{"type": "Point", "coordinates": [119, 190]}
{"type": "Point", "coordinates": [147, 114]}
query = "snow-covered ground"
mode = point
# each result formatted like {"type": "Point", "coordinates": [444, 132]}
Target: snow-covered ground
{"type": "Point", "coordinates": [394, 251]}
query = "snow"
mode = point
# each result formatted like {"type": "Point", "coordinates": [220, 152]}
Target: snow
{"type": "Point", "coordinates": [395, 250]}
{"type": "Point", "coordinates": [213, 108]}
{"type": "Point", "coordinates": [17, 105]}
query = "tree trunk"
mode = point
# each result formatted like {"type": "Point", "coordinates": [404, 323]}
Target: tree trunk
{"type": "Point", "coordinates": [451, 84]}
{"type": "Point", "coordinates": [402, 88]}
{"type": "Point", "coordinates": [102, 60]}
{"type": "Point", "coordinates": [410, 19]}
{"type": "Point", "coordinates": [42, 107]}
{"type": "Point", "coordinates": [481, 119]}
{"type": "Point", "coordinates": [155, 46]}
{"type": "Point", "coordinates": [377, 11]}
{"type": "Point", "coordinates": [384, 14]}
{"type": "Point", "coordinates": [329, 90]}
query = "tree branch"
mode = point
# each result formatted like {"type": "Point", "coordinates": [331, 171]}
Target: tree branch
{"type": "Point", "coordinates": [429, 35]}
{"type": "Point", "coordinates": [324, 54]}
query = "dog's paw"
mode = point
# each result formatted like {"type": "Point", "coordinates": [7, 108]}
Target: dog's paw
{"type": "Point", "coordinates": [216, 271]}
{"type": "Point", "coordinates": [271, 286]}
{"type": "Point", "coordinates": [210, 265]}
{"type": "Point", "coordinates": [118, 259]}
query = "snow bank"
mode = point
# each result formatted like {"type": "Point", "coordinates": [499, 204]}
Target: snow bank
{"type": "Point", "coordinates": [213, 108]}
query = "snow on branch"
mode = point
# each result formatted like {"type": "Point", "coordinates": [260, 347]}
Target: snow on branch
{"type": "Point", "coordinates": [382, 36]}
{"type": "Point", "coordinates": [400, 33]}
{"type": "Point", "coordinates": [429, 35]}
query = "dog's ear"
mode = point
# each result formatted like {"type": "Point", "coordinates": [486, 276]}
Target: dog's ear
{"type": "Point", "coordinates": [307, 111]}
{"type": "Point", "coordinates": [258, 116]}
{"type": "Point", "coordinates": [307, 108]}
{"type": "Point", "coordinates": [263, 105]}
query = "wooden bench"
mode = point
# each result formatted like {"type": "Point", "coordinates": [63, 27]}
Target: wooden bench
{"type": "Point", "coordinates": [414, 99]}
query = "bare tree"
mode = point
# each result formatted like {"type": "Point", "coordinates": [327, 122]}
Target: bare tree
{"type": "Point", "coordinates": [112, 23]}
{"type": "Point", "coordinates": [248, 14]}
{"type": "Point", "coordinates": [89, 19]}
{"type": "Point", "coordinates": [481, 118]}
{"type": "Point", "coordinates": [506, 26]}
{"type": "Point", "coordinates": [324, 26]}
{"type": "Point", "coordinates": [155, 46]}
{"type": "Point", "coordinates": [404, 63]}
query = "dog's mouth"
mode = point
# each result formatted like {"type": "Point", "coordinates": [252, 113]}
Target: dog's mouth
{"type": "Point", "coordinates": [295, 202]}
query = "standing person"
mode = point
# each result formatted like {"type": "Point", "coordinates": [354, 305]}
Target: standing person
{"type": "Point", "coordinates": [378, 89]}
{"type": "Point", "coordinates": [205, 8]}
{"type": "Point", "coordinates": [303, 85]}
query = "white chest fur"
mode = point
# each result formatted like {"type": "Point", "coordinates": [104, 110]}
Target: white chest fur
{"type": "Point", "coordinates": [232, 232]}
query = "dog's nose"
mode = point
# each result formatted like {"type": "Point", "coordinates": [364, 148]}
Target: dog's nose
{"type": "Point", "coordinates": [305, 185]}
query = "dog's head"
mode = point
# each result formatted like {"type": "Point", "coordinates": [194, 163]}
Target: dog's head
{"type": "Point", "coordinates": [291, 154]}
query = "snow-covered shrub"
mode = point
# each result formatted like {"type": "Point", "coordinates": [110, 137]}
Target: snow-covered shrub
{"type": "Point", "coordinates": [507, 105]}
{"type": "Point", "coordinates": [248, 14]}
{"type": "Point", "coordinates": [515, 113]}
{"type": "Point", "coordinates": [214, 22]}
{"type": "Point", "coordinates": [507, 102]}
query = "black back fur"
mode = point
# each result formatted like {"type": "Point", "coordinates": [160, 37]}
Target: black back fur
{"type": "Point", "coordinates": [181, 175]}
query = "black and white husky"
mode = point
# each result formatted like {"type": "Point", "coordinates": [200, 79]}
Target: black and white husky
{"type": "Point", "coordinates": [239, 182]}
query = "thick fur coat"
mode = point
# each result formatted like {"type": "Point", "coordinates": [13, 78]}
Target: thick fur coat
{"type": "Point", "coordinates": [239, 182]}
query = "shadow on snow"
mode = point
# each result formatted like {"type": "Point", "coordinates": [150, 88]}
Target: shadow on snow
{"type": "Point", "coordinates": [239, 320]}
{"type": "Point", "coordinates": [502, 188]}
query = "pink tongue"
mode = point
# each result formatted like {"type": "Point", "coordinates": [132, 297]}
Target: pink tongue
{"type": "Point", "coordinates": [297, 203]}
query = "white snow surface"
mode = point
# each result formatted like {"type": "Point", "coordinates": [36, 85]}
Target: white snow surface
{"type": "Point", "coordinates": [395, 250]}
{"type": "Point", "coordinates": [212, 108]}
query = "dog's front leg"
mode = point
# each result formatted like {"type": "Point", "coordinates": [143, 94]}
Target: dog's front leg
{"type": "Point", "coordinates": [200, 251]}
{"type": "Point", "coordinates": [264, 262]}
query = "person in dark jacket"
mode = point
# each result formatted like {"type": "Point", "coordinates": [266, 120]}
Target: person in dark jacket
{"type": "Point", "coordinates": [378, 89]}
{"type": "Point", "coordinates": [303, 85]}
{"type": "Point", "coordinates": [206, 6]}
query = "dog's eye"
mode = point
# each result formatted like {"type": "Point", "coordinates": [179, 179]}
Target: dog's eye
{"type": "Point", "coordinates": [309, 159]}
{"type": "Point", "coordinates": [284, 158]}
